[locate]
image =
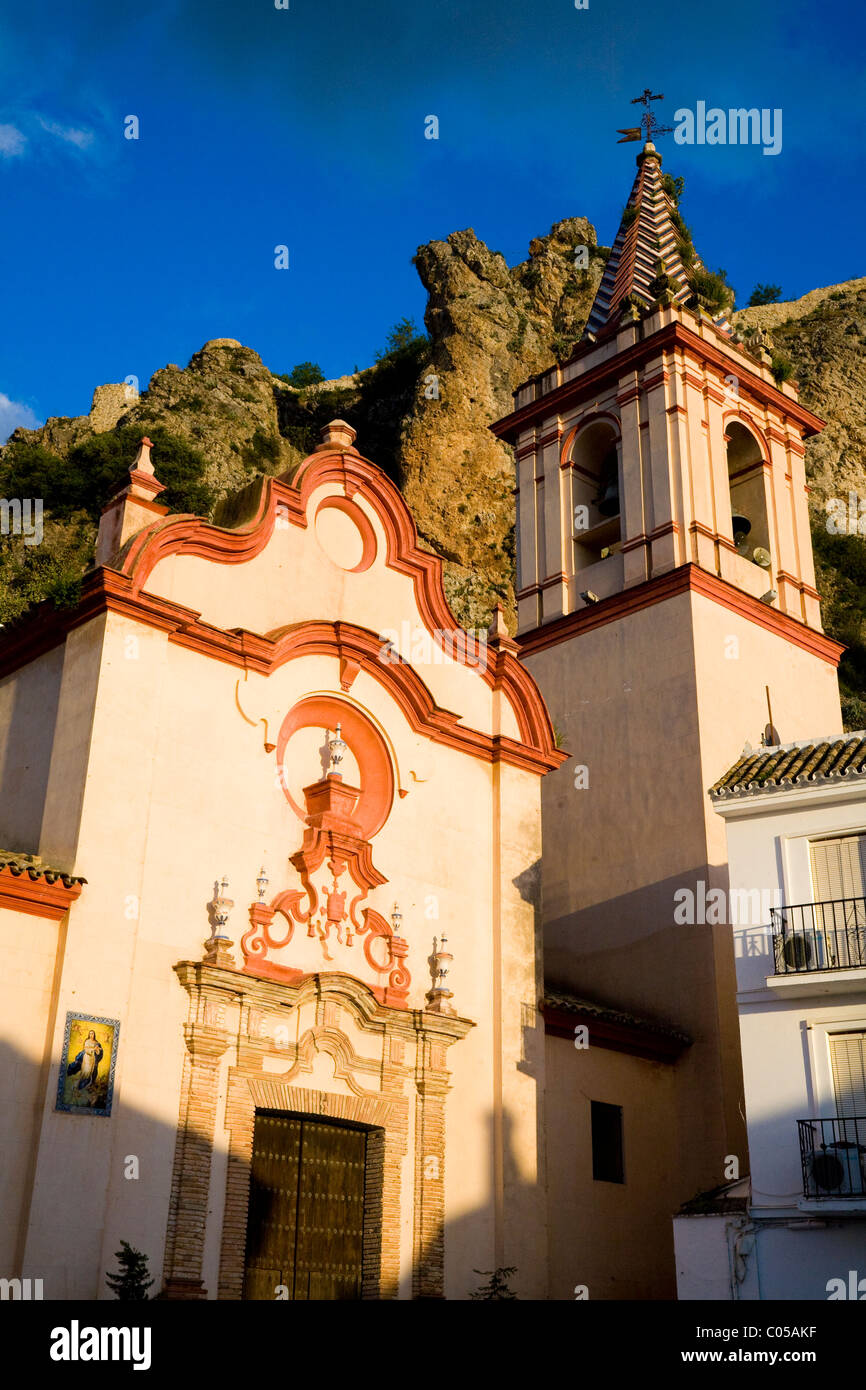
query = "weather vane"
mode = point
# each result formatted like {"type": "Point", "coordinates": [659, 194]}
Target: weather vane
{"type": "Point", "coordinates": [648, 125]}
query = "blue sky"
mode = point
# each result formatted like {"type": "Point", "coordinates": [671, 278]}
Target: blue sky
{"type": "Point", "coordinates": [305, 127]}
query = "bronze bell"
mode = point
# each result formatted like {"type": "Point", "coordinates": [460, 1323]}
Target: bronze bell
{"type": "Point", "coordinates": [608, 502]}
{"type": "Point", "coordinates": [741, 527]}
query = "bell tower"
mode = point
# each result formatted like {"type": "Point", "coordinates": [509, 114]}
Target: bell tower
{"type": "Point", "coordinates": [666, 598]}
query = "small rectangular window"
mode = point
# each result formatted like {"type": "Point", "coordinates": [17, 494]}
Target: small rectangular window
{"type": "Point", "coordinates": [607, 1165]}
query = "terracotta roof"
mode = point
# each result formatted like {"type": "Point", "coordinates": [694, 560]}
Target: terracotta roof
{"type": "Point", "coordinates": [36, 868]}
{"type": "Point", "coordinates": [719, 1201]}
{"type": "Point", "coordinates": [817, 762]}
{"type": "Point", "coordinates": [572, 1003]}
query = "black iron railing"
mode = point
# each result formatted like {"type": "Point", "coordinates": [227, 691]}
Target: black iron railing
{"type": "Point", "coordinates": [820, 936]}
{"type": "Point", "coordinates": [833, 1155]}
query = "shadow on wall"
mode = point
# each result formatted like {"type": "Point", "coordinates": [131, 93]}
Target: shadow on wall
{"type": "Point", "coordinates": [47, 1234]}
{"type": "Point", "coordinates": [71, 1250]}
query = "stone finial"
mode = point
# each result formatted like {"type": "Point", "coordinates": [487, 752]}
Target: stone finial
{"type": "Point", "coordinates": [131, 507]}
{"type": "Point", "coordinates": [141, 463]}
{"type": "Point", "coordinates": [497, 633]}
{"type": "Point", "coordinates": [218, 947]}
{"type": "Point", "coordinates": [439, 997]}
{"type": "Point", "coordinates": [337, 435]}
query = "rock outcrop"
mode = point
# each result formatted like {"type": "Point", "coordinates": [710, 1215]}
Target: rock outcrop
{"type": "Point", "coordinates": [490, 328]}
{"type": "Point", "coordinates": [425, 413]}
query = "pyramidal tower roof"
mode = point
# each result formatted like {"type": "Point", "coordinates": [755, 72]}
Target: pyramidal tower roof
{"type": "Point", "coordinates": [652, 253]}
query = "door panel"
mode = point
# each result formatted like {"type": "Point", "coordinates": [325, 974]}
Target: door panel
{"type": "Point", "coordinates": [330, 1213]}
{"type": "Point", "coordinates": [305, 1227]}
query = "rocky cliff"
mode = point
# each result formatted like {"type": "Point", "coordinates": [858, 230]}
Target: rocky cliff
{"type": "Point", "coordinates": [423, 412]}
{"type": "Point", "coordinates": [824, 337]}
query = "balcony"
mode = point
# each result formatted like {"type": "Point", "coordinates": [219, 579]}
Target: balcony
{"type": "Point", "coordinates": [820, 936]}
{"type": "Point", "coordinates": [833, 1156]}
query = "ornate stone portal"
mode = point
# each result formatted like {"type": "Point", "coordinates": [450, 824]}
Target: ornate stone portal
{"type": "Point", "coordinates": [272, 1035]}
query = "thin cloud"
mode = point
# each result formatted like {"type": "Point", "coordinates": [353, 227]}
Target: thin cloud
{"type": "Point", "coordinates": [14, 414]}
{"type": "Point", "coordinates": [12, 142]}
{"type": "Point", "coordinates": [71, 134]}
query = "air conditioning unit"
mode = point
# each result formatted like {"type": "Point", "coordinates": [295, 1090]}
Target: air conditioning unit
{"type": "Point", "coordinates": [837, 1170]}
{"type": "Point", "coordinates": [805, 951]}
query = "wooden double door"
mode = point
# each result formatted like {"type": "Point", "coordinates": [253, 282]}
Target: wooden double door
{"type": "Point", "coordinates": [305, 1228]}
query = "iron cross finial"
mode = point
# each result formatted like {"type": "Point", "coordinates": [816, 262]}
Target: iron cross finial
{"type": "Point", "coordinates": [648, 125]}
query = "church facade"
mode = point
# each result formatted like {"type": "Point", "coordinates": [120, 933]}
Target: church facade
{"type": "Point", "coordinates": [277, 831]}
{"type": "Point", "coordinates": [329, 972]}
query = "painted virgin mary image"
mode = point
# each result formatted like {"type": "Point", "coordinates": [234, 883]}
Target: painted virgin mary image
{"type": "Point", "coordinates": [87, 1063]}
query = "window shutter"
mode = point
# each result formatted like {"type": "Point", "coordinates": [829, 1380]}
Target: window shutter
{"type": "Point", "coordinates": [838, 868]}
{"type": "Point", "coordinates": [848, 1057]}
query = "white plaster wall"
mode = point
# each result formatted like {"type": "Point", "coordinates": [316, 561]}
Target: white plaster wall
{"type": "Point", "coordinates": [786, 1040]}
{"type": "Point", "coordinates": [159, 783]}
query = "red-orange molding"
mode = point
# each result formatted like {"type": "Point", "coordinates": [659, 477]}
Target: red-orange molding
{"type": "Point", "coordinates": [192, 536]}
{"type": "Point", "coordinates": [685, 579]}
{"type": "Point", "coordinates": [634, 1038]}
{"type": "Point", "coordinates": [105, 590]}
{"type": "Point", "coordinates": [123, 591]}
{"type": "Point", "coordinates": [19, 892]}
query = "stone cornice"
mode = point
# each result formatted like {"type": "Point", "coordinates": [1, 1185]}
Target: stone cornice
{"type": "Point", "coordinates": [685, 579]}
{"type": "Point", "coordinates": [672, 337]}
{"type": "Point", "coordinates": [241, 988]}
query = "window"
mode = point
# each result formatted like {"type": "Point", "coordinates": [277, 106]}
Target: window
{"type": "Point", "coordinates": [607, 1163]}
{"type": "Point", "coordinates": [838, 868]}
{"type": "Point", "coordinates": [848, 1059]}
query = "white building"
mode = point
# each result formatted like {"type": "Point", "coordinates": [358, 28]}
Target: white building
{"type": "Point", "coordinates": [796, 832]}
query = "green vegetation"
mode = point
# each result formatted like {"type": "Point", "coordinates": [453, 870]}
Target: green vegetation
{"type": "Point", "coordinates": [375, 406]}
{"type": "Point", "coordinates": [131, 1284]}
{"type": "Point", "coordinates": [764, 294]}
{"type": "Point", "coordinates": [712, 288]}
{"type": "Point", "coordinates": [673, 187]}
{"type": "Point", "coordinates": [31, 573]}
{"type": "Point", "coordinates": [628, 216]}
{"type": "Point", "coordinates": [575, 285]}
{"type": "Point", "coordinates": [263, 452]}
{"type": "Point", "coordinates": [388, 391]}
{"type": "Point", "coordinates": [73, 493]}
{"type": "Point", "coordinates": [840, 567]}
{"type": "Point", "coordinates": [514, 344]}
{"type": "Point", "coordinates": [305, 374]}
{"type": "Point", "coordinates": [782, 367]}
{"type": "Point", "coordinates": [497, 1283]}
{"type": "Point", "coordinates": [84, 481]}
